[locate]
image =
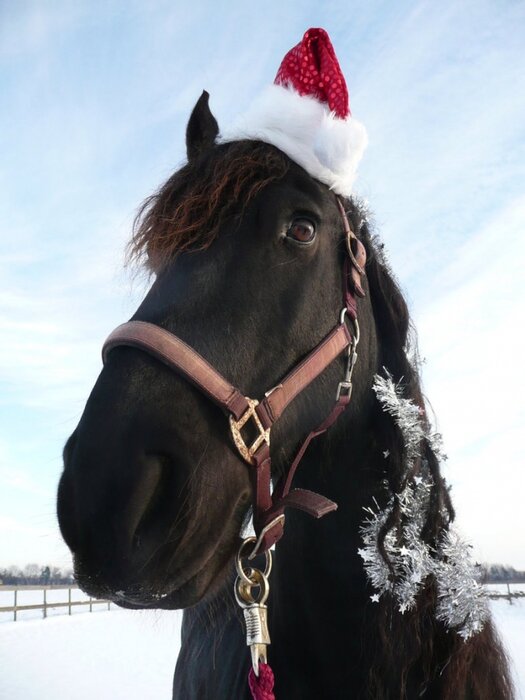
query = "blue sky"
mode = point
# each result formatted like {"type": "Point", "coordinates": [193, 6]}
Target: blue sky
{"type": "Point", "coordinates": [95, 98]}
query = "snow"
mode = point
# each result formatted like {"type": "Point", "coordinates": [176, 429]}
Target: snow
{"type": "Point", "coordinates": [108, 655]}
{"type": "Point", "coordinates": [510, 621]}
{"type": "Point", "coordinates": [130, 655]}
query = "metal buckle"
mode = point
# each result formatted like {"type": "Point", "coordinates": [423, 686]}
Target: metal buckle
{"type": "Point", "coordinates": [271, 524]}
{"type": "Point", "coordinates": [344, 388]}
{"type": "Point", "coordinates": [248, 452]}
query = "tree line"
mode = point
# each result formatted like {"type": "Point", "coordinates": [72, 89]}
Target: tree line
{"type": "Point", "coordinates": [35, 575]}
{"type": "Point", "coordinates": [499, 573]}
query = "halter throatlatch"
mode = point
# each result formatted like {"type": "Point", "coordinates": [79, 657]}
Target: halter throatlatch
{"type": "Point", "coordinates": [268, 508]}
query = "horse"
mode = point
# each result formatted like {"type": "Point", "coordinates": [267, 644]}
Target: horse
{"type": "Point", "coordinates": [247, 252]}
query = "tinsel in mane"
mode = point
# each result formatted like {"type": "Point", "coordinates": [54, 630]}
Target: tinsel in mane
{"type": "Point", "coordinates": [461, 602]}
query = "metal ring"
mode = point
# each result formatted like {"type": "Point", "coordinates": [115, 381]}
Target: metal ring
{"type": "Point", "coordinates": [357, 333]}
{"type": "Point", "coordinates": [246, 576]}
{"type": "Point", "coordinates": [243, 591]}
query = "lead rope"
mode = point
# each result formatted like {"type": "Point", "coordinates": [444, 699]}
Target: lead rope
{"type": "Point", "coordinates": [251, 592]}
{"type": "Point", "coordinates": [262, 686]}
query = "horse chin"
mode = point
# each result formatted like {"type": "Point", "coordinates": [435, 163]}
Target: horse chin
{"type": "Point", "coordinates": [201, 586]}
{"type": "Point", "coordinates": [156, 586]}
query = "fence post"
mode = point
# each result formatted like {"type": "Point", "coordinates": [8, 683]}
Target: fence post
{"type": "Point", "coordinates": [45, 603]}
{"type": "Point", "coordinates": [508, 591]}
{"type": "Point", "coordinates": [16, 599]}
{"type": "Point", "coordinates": [90, 604]}
{"type": "Point", "coordinates": [69, 599]}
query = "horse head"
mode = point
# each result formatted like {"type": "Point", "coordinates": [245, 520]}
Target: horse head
{"type": "Point", "coordinates": [248, 253]}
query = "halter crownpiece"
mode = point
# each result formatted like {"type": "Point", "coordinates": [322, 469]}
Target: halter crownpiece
{"type": "Point", "coordinates": [306, 114]}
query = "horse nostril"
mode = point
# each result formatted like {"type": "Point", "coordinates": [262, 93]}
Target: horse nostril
{"type": "Point", "coordinates": [144, 497]}
{"type": "Point", "coordinates": [151, 510]}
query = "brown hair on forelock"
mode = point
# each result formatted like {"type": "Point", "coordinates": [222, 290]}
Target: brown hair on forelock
{"type": "Point", "coordinates": [186, 213]}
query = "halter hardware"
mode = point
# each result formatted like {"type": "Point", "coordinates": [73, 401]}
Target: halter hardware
{"type": "Point", "coordinates": [236, 426]}
{"type": "Point", "coordinates": [345, 387]}
{"type": "Point", "coordinates": [251, 591]}
{"type": "Point", "coordinates": [276, 523]}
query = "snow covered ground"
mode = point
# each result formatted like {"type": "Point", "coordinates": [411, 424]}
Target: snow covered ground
{"type": "Point", "coordinates": [510, 621]}
{"type": "Point", "coordinates": [128, 655]}
{"type": "Point", "coordinates": [108, 655]}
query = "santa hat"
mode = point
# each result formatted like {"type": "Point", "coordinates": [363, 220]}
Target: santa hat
{"type": "Point", "coordinates": [306, 114]}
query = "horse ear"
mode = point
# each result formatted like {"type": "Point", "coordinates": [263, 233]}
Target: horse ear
{"type": "Point", "coordinates": [202, 128]}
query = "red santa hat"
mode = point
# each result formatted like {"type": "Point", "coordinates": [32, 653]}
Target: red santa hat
{"type": "Point", "coordinates": [306, 114]}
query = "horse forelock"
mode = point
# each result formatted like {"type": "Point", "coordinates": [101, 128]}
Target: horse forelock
{"type": "Point", "coordinates": [187, 211]}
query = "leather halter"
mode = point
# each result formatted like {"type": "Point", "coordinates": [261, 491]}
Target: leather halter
{"type": "Point", "coordinates": [268, 508]}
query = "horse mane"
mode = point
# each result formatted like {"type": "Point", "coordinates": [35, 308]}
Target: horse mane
{"type": "Point", "coordinates": [185, 215]}
{"type": "Point", "coordinates": [399, 355]}
{"type": "Point", "coordinates": [478, 667]}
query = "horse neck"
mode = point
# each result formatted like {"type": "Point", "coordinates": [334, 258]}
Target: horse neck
{"type": "Point", "coordinates": [318, 592]}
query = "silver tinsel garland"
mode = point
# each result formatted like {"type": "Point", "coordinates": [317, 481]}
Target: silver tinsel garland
{"type": "Point", "coordinates": [461, 602]}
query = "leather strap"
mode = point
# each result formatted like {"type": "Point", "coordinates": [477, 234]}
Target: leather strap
{"type": "Point", "coordinates": [177, 355]}
{"type": "Point", "coordinates": [312, 503]}
{"type": "Point", "coordinates": [354, 268]}
{"type": "Point", "coordinates": [278, 398]}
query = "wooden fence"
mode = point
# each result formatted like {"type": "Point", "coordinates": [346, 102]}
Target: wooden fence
{"type": "Point", "coordinates": [46, 605]}
{"type": "Point", "coordinates": [509, 595]}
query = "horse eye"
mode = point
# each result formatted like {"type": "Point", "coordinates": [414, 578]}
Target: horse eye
{"type": "Point", "coordinates": [302, 231]}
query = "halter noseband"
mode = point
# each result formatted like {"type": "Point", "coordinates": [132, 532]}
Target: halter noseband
{"type": "Point", "coordinates": [268, 508]}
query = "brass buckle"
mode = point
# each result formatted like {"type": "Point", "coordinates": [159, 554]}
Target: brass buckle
{"type": "Point", "coordinates": [248, 452]}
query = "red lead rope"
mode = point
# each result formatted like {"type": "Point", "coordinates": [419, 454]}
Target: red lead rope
{"type": "Point", "coordinates": [262, 687]}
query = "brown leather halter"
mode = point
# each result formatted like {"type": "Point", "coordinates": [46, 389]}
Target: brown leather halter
{"type": "Point", "coordinates": [268, 508]}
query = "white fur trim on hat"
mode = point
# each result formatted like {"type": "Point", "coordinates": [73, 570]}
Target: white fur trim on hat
{"type": "Point", "coordinates": [327, 147]}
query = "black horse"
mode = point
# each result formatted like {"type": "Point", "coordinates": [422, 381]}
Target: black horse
{"type": "Point", "coordinates": [248, 249]}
